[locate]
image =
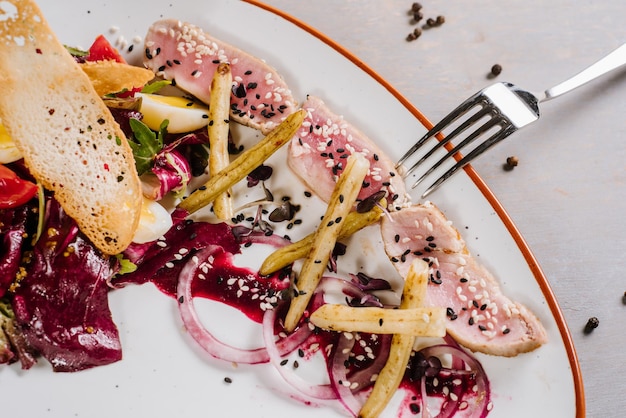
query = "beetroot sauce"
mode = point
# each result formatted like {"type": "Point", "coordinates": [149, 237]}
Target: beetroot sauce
{"type": "Point", "coordinates": [245, 290]}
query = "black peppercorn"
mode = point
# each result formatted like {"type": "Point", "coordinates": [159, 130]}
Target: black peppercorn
{"type": "Point", "coordinates": [592, 324]}
{"type": "Point", "coordinates": [415, 7]}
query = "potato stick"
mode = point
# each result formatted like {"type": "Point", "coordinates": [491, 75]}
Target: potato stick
{"type": "Point", "coordinates": [419, 322]}
{"type": "Point", "coordinates": [340, 204]}
{"type": "Point", "coordinates": [244, 164]}
{"type": "Point", "coordinates": [288, 254]}
{"type": "Point", "coordinates": [390, 376]}
{"type": "Point", "coordinates": [219, 110]}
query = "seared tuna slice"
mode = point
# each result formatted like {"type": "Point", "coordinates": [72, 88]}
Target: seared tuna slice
{"type": "Point", "coordinates": [319, 150]}
{"type": "Point", "coordinates": [184, 54]}
{"type": "Point", "coordinates": [480, 316]}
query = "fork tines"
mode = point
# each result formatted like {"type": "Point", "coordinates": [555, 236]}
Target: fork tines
{"type": "Point", "coordinates": [494, 120]}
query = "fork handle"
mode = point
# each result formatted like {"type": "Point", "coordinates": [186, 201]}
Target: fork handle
{"type": "Point", "coordinates": [614, 60]}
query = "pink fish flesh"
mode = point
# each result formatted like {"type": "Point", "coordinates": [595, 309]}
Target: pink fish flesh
{"type": "Point", "coordinates": [186, 55]}
{"type": "Point", "coordinates": [318, 153]}
{"type": "Point", "coordinates": [480, 316]}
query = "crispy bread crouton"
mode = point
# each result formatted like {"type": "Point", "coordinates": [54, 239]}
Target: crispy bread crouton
{"type": "Point", "coordinates": [68, 137]}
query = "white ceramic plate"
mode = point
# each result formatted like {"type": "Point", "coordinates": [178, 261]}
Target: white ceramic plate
{"type": "Point", "coordinates": [162, 374]}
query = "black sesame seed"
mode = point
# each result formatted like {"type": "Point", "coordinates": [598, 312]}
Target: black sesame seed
{"type": "Point", "coordinates": [228, 380]}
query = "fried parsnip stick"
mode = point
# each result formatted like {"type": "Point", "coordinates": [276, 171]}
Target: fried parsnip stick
{"type": "Point", "coordinates": [419, 322]}
{"type": "Point", "coordinates": [340, 204]}
{"type": "Point", "coordinates": [219, 109]}
{"type": "Point", "coordinates": [390, 376]}
{"type": "Point", "coordinates": [244, 164]}
{"type": "Point", "coordinates": [288, 254]}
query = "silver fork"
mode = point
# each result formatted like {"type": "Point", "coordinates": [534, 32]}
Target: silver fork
{"type": "Point", "coordinates": [502, 109]}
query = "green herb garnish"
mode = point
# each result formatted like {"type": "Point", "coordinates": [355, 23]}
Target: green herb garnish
{"type": "Point", "coordinates": [146, 144]}
{"type": "Point", "coordinates": [155, 87]}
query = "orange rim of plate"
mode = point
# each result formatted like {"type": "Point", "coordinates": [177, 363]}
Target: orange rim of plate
{"type": "Point", "coordinates": [541, 279]}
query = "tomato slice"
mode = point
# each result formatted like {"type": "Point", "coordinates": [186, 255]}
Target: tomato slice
{"type": "Point", "coordinates": [14, 191]}
{"type": "Point", "coordinates": [102, 50]}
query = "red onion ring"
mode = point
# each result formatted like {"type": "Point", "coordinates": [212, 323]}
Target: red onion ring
{"type": "Point", "coordinates": [207, 341]}
{"type": "Point", "coordinates": [318, 392]}
{"type": "Point", "coordinates": [478, 401]}
{"type": "Point", "coordinates": [338, 377]}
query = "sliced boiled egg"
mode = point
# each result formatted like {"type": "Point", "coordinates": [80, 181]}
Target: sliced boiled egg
{"type": "Point", "coordinates": [154, 222]}
{"type": "Point", "coordinates": [183, 114]}
{"type": "Point", "coordinates": [8, 150]}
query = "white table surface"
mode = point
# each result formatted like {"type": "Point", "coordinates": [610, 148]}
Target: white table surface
{"type": "Point", "coordinates": [567, 196]}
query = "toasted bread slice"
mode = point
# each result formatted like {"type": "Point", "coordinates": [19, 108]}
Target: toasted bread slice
{"type": "Point", "coordinates": [68, 137]}
{"type": "Point", "coordinates": [112, 76]}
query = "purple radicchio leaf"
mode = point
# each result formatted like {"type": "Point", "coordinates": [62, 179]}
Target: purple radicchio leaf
{"type": "Point", "coordinates": [170, 173]}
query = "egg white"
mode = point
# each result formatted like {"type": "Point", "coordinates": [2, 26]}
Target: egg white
{"type": "Point", "coordinates": [183, 114]}
{"type": "Point", "coordinates": [154, 222]}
